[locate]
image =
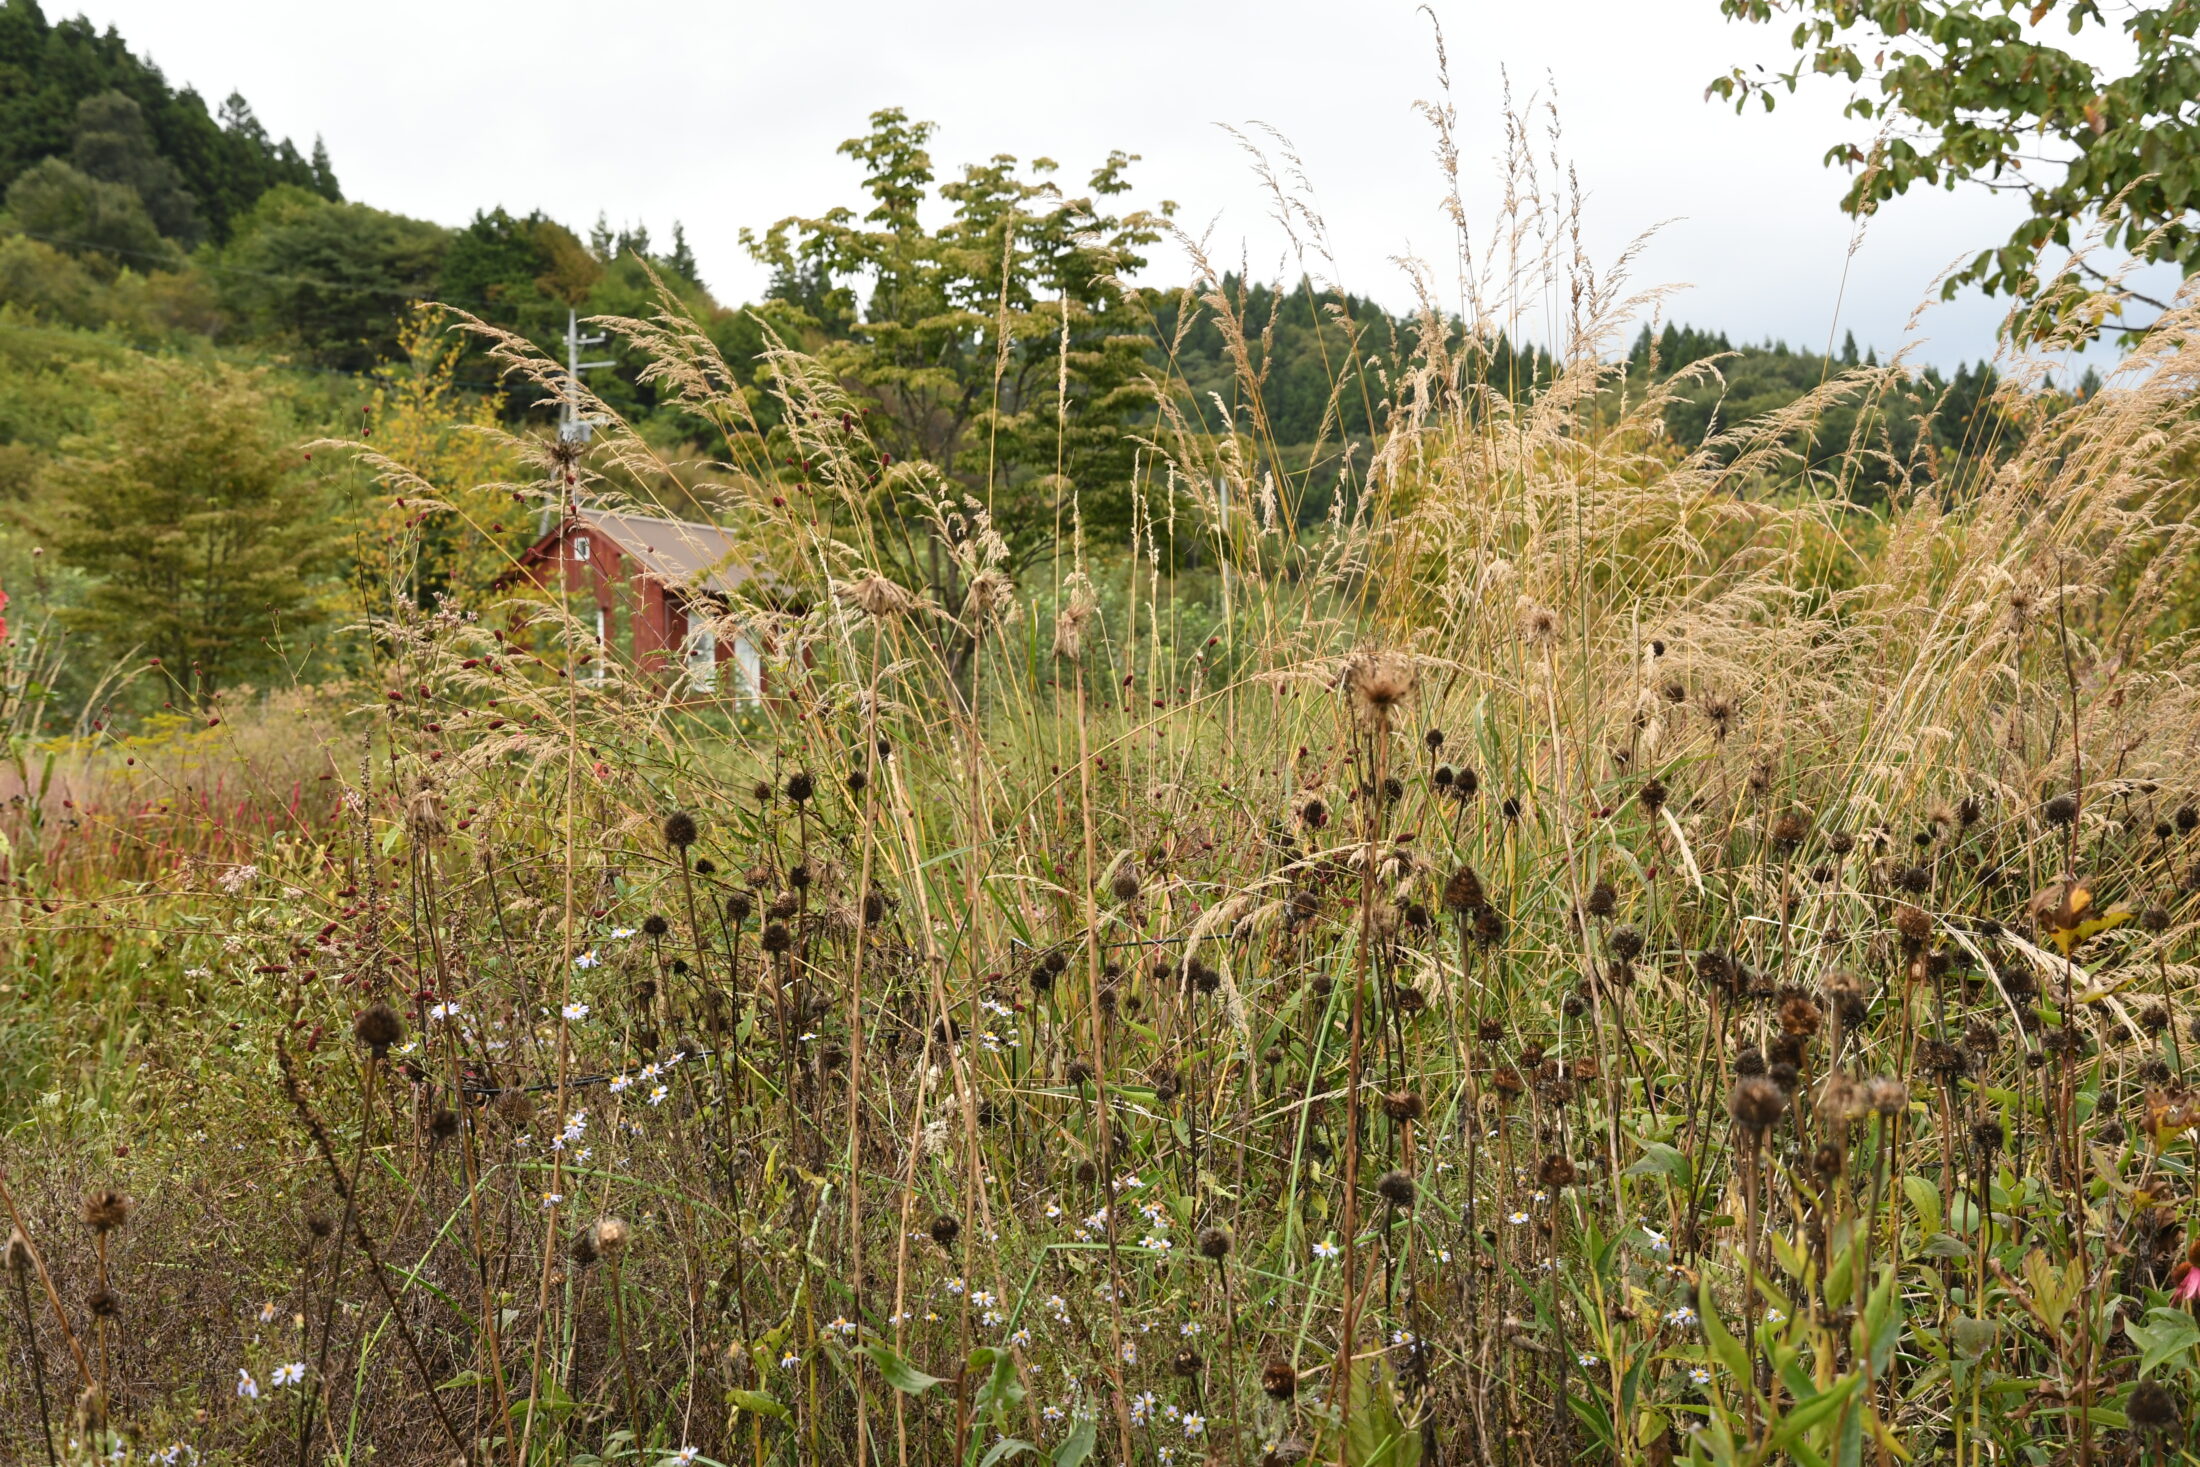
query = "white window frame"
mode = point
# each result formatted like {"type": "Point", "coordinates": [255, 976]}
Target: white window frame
{"type": "Point", "coordinates": [581, 547]}
{"type": "Point", "coordinates": [699, 654]}
{"type": "Point", "coordinates": [748, 672]}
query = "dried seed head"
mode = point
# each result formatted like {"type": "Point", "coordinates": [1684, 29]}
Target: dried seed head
{"type": "Point", "coordinates": [1987, 1135]}
{"type": "Point", "coordinates": [1279, 1380]}
{"type": "Point", "coordinates": [1125, 885]}
{"type": "Point", "coordinates": [1187, 1364]}
{"type": "Point", "coordinates": [801, 785]}
{"type": "Point", "coordinates": [444, 1124]}
{"type": "Point", "coordinates": [1076, 614]}
{"type": "Point", "coordinates": [777, 939]}
{"type": "Point", "coordinates": [1377, 682]}
{"type": "Point", "coordinates": [1395, 1188]}
{"type": "Point", "coordinates": [1433, 739]}
{"type": "Point", "coordinates": [1601, 901]}
{"type": "Point", "coordinates": [2061, 809]}
{"type": "Point", "coordinates": [1405, 1106]}
{"type": "Point", "coordinates": [611, 1235]}
{"type": "Point", "coordinates": [378, 1027]}
{"type": "Point", "coordinates": [1463, 892]}
{"type": "Point", "coordinates": [1625, 942]}
{"type": "Point", "coordinates": [104, 1304]}
{"type": "Point", "coordinates": [1799, 1016]}
{"type": "Point", "coordinates": [1757, 1104]}
{"type": "Point", "coordinates": [738, 906]}
{"type": "Point", "coordinates": [875, 596]}
{"type": "Point", "coordinates": [1556, 1172]}
{"type": "Point", "coordinates": [1652, 795]}
{"type": "Point", "coordinates": [679, 830]}
{"type": "Point", "coordinates": [1889, 1096]}
{"type": "Point", "coordinates": [2152, 1409]}
{"type": "Point", "coordinates": [1215, 1243]}
{"type": "Point", "coordinates": [1912, 924]}
{"type": "Point", "coordinates": [106, 1210]}
{"type": "Point", "coordinates": [582, 1250]}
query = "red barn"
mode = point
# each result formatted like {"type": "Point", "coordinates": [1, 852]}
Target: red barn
{"type": "Point", "coordinates": [654, 583]}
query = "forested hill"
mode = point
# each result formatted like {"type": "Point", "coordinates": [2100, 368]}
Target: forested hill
{"type": "Point", "coordinates": [75, 101]}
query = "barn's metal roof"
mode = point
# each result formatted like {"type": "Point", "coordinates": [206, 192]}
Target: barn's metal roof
{"type": "Point", "coordinates": [683, 553]}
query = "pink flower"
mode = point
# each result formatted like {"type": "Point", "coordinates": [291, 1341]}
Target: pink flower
{"type": "Point", "coordinates": [2188, 1287]}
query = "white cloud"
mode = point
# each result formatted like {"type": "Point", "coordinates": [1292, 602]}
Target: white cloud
{"type": "Point", "coordinates": [727, 116]}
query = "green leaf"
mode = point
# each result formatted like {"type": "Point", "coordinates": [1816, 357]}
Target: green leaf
{"type": "Point", "coordinates": [1661, 1160]}
{"type": "Point", "coordinates": [2167, 1333]}
{"type": "Point", "coordinates": [1006, 1447]}
{"type": "Point", "coordinates": [1725, 1348]}
{"type": "Point", "coordinates": [1078, 1445]}
{"type": "Point", "coordinates": [1925, 1197]}
{"type": "Point", "coordinates": [756, 1401]}
{"type": "Point", "coordinates": [899, 1373]}
{"type": "Point", "coordinates": [1787, 1433]}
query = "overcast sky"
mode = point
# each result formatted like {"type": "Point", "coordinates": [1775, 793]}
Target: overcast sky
{"type": "Point", "coordinates": [725, 116]}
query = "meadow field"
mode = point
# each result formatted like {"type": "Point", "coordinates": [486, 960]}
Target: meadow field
{"type": "Point", "coordinates": [1589, 949]}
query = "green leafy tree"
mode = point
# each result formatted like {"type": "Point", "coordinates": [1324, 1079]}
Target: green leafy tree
{"type": "Point", "coordinates": [1972, 91]}
{"type": "Point", "coordinates": [185, 505]}
{"type": "Point", "coordinates": [917, 321]}
{"type": "Point", "coordinates": [114, 144]}
{"type": "Point", "coordinates": [48, 69]}
{"type": "Point", "coordinates": [102, 224]}
{"type": "Point", "coordinates": [331, 280]}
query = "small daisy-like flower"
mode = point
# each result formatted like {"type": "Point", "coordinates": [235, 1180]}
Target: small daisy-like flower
{"type": "Point", "coordinates": [1130, 1352]}
{"type": "Point", "coordinates": [1540, 1197]}
{"type": "Point", "coordinates": [1052, 1414]}
{"type": "Point", "coordinates": [652, 1070]}
{"type": "Point", "coordinates": [1054, 1211]}
{"type": "Point", "coordinates": [1516, 1218]}
{"type": "Point", "coordinates": [985, 1299]}
{"type": "Point", "coordinates": [267, 1312]}
{"type": "Point", "coordinates": [620, 1084]}
{"type": "Point", "coordinates": [1443, 1255]}
{"type": "Point", "coordinates": [1654, 1240]}
{"type": "Point", "coordinates": [991, 1319]}
{"type": "Point", "coordinates": [622, 932]}
{"type": "Point", "coordinates": [1682, 1317]}
{"type": "Point", "coordinates": [1155, 1242]}
{"type": "Point", "coordinates": [1188, 1328]}
{"type": "Point", "coordinates": [291, 1374]}
{"type": "Point", "coordinates": [1194, 1423]}
{"type": "Point", "coordinates": [1021, 1339]}
{"type": "Point", "coordinates": [1586, 1360]}
{"type": "Point", "coordinates": [1326, 1250]}
{"type": "Point", "coordinates": [657, 1095]}
{"type": "Point", "coordinates": [789, 1360]}
{"type": "Point", "coordinates": [444, 1010]}
{"type": "Point", "coordinates": [1697, 1375]}
{"type": "Point", "coordinates": [587, 959]}
{"type": "Point", "coordinates": [552, 1199]}
{"type": "Point", "coordinates": [247, 1388]}
{"type": "Point", "coordinates": [686, 1456]}
{"type": "Point", "coordinates": [955, 1285]}
{"type": "Point", "coordinates": [1774, 1316]}
{"type": "Point", "coordinates": [807, 1035]}
{"type": "Point", "coordinates": [580, 1157]}
{"type": "Point", "coordinates": [1401, 1337]}
{"type": "Point", "coordinates": [575, 1012]}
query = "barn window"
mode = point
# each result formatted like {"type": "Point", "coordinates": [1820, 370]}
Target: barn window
{"type": "Point", "coordinates": [580, 547]}
{"type": "Point", "coordinates": [699, 654]}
